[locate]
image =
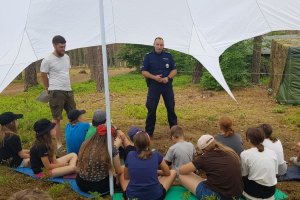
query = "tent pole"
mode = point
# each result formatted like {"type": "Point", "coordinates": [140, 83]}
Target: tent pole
{"type": "Point", "coordinates": [106, 89]}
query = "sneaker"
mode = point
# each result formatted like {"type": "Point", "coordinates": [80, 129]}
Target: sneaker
{"type": "Point", "coordinates": [295, 161]}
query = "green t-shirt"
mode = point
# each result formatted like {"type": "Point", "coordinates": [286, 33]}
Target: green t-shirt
{"type": "Point", "coordinates": [92, 130]}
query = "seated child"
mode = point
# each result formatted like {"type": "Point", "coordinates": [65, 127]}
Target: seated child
{"type": "Point", "coordinates": [275, 145]}
{"type": "Point", "coordinates": [99, 118]}
{"type": "Point", "coordinates": [259, 167]}
{"type": "Point", "coordinates": [42, 153]}
{"type": "Point", "coordinates": [94, 164]}
{"type": "Point", "coordinates": [11, 151]}
{"type": "Point", "coordinates": [181, 152]}
{"type": "Point", "coordinates": [228, 137]}
{"type": "Point", "coordinates": [222, 168]}
{"type": "Point", "coordinates": [123, 142]}
{"type": "Point", "coordinates": [146, 181]}
{"type": "Point", "coordinates": [75, 131]}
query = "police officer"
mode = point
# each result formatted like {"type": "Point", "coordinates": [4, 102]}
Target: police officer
{"type": "Point", "coordinates": [159, 70]}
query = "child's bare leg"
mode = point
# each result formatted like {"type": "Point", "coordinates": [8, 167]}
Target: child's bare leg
{"type": "Point", "coordinates": [61, 171]}
{"type": "Point", "coordinates": [70, 158]}
{"type": "Point", "coordinates": [167, 181]}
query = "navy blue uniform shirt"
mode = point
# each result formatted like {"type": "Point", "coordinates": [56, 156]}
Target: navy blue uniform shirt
{"type": "Point", "coordinates": [157, 64]}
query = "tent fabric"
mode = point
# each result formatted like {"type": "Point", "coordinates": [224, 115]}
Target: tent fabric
{"type": "Point", "coordinates": [289, 90]}
{"type": "Point", "coordinates": [203, 29]}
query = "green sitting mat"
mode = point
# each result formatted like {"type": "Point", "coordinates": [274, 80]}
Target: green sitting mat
{"type": "Point", "coordinates": [279, 195]}
{"type": "Point", "coordinates": [174, 193]}
{"type": "Point", "coordinates": [181, 193]}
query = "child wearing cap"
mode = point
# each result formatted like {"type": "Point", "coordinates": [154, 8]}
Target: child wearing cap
{"type": "Point", "coordinates": [42, 153]}
{"type": "Point", "coordinates": [274, 144]}
{"type": "Point", "coordinates": [228, 136]}
{"type": "Point", "coordinates": [222, 168]}
{"type": "Point", "coordinates": [181, 152]}
{"type": "Point", "coordinates": [124, 142]}
{"type": "Point", "coordinates": [94, 164]}
{"type": "Point", "coordinates": [76, 131]}
{"type": "Point", "coordinates": [259, 167]}
{"type": "Point", "coordinates": [11, 151]}
{"type": "Point", "coordinates": [99, 118]}
{"type": "Point", "coordinates": [142, 166]}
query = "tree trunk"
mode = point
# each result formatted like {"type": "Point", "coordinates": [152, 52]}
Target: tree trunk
{"type": "Point", "coordinates": [30, 76]}
{"type": "Point", "coordinates": [256, 60]}
{"type": "Point", "coordinates": [197, 73]}
{"type": "Point", "coordinates": [92, 54]}
{"type": "Point", "coordinates": [99, 71]}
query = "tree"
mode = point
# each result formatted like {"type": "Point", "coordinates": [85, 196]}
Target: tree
{"type": "Point", "coordinates": [198, 71]}
{"type": "Point", "coordinates": [256, 60]}
{"type": "Point", "coordinates": [133, 54]}
{"type": "Point", "coordinates": [91, 59]}
{"type": "Point", "coordinates": [30, 76]}
{"type": "Point", "coordinates": [94, 61]}
{"type": "Point", "coordinates": [99, 71]}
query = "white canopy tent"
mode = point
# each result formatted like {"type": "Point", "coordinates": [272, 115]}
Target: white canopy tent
{"type": "Point", "coordinates": [201, 28]}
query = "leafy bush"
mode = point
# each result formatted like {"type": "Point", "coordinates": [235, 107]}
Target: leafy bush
{"type": "Point", "coordinates": [134, 55]}
{"type": "Point", "coordinates": [234, 65]}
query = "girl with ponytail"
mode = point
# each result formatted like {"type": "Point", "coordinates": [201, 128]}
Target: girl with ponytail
{"type": "Point", "coordinates": [228, 136]}
{"type": "Point", "coordinates": [259, 167]}
{"type": "Point", "coordinates": [274, 144]}
{"type": "Point", "coordinates": [146, 181]}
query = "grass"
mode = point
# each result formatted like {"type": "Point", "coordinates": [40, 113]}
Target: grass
{"type": "Point", "coordinates": [128, 96]}
{"type": "Point", "coordinates": [279, 109]}
{"type": "Point", "coordinates": [57, 189]}
{"type": "Point", "coordinates": [293, 118]}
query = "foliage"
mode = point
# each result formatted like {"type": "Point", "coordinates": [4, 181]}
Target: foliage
{"type": "Point", "coordinates": [134, 55]}
{"type": "Point", "coordinates": [235, 67]}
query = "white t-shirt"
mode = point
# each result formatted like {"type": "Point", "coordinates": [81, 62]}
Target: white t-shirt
{"type": "Point", "coordinates": [180, 154]}
{"type": "Point", "coordinates": [277, 148]}
{"type": "Point", "coordinates": [58, 70]}
{"type": "Point", "coordinates": [260, 167]}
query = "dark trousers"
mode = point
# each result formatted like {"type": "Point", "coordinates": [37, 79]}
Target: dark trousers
{"type": "Point", "coordinates": [154, 91]}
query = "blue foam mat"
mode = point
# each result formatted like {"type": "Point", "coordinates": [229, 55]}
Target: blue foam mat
{"type": "Point", "coordinates": [72, 182]}
{"type": "Point", "coordinates": [292, 174]}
